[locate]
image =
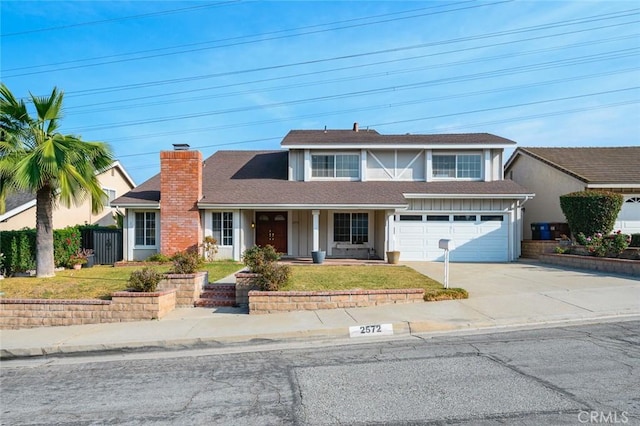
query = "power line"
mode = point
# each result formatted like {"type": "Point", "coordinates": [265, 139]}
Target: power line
{"type": "Point", "coordinates": [245, 42]}
{"type": "Point", "coordinates": [360, 77]}
{"type": "Point", "coordinates": [241, 37]}
{"type": "Point", "coordinates": [527, 68]}
{"type": "Point", "coordinates": [122, 18]}
{"type": "Point", "coordinates": [131, 86]}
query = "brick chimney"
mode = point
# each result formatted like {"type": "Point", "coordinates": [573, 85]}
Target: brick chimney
{"type": "Point", "coordinates": [180, 191]}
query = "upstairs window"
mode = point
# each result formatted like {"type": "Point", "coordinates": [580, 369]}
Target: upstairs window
{"type": "Point", "coordinates": [460, 166]}
{"type": "Point", "coordinates": [110, 195]}
{"type": "Point", "coordinates": [335, 166]}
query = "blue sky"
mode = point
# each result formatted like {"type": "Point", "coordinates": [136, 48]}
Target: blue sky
{"type": "Point", "coordinates": [142, 75]}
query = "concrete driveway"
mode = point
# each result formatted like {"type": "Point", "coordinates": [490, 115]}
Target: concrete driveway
{"type": "Point", "coordinates": [534, 293]}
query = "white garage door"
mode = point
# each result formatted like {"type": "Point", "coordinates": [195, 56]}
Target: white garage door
{"type": "Point", "coordinates": [477, 238]}
{"type": "Point", "coordinates": [629, 218]}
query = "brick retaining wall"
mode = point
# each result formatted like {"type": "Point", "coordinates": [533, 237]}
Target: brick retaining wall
{"type": "Point", "coordinates": [603, 264]}
{"type": "Point", "coordinates": [265, 302]}
{"type": "Point", "coordinates": [188, 287]}
{"type": "Point", "coordinates": [124, 306]}
{"type": "Point", "coordinates": [532, 249]}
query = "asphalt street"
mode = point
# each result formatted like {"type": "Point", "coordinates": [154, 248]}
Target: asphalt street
{"type": "Point", "coordinates": [574, 375]}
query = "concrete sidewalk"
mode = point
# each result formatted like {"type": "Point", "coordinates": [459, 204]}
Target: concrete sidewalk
{"type": "Point", "coordinates": [501, 295]}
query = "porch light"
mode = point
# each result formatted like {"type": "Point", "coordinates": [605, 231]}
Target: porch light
{"type": "Point", "coordinates": [253, 224]}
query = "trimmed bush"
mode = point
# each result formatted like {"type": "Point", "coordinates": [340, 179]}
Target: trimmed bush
{"type": "Point", "coordinates": [591, 212]}
{"type": "Point", "coordinates": [145, 280]}
{"type": "Point", "coordinates": [263, 261]}
{"type": "Point", "coordinates": [158, 257]}
{"type": "Point", "coordinates": [186, 262]}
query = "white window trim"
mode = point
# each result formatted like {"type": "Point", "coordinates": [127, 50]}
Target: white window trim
{"type": "Point", "coordinates": [456, 154]}
{"type": "Point", "coordinates": [115, 195]}
{"type": "Point", "coordinates": [334, 153]}
{"type": "Point", "coordinates": [209, 226]}
{"type": "Point", "coordinates": [370, 231]}
{"type": "Point", "coordinates": [157, 229]}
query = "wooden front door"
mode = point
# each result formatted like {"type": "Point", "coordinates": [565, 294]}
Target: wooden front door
{"type": "Point", "coordinates": [271, 228]}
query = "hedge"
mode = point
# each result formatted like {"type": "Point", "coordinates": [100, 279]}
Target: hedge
{"type": "Point", "coordinates": [591, 212]}
{"type": "Point", "coordinates": [19, 248]}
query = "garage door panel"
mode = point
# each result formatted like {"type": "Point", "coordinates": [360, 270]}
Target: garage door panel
{"type": "Point", "coordinates": [474, 242]}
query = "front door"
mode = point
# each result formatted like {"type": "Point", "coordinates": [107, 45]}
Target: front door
{"type": "Point", "coordinates": [271, 228]}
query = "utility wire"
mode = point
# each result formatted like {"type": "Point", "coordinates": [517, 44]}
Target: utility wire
{"type": "Point", "coordinates": [122, 18]}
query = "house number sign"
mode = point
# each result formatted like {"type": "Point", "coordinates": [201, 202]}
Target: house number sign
{"type": "Point", "coordinates": [371, 330]}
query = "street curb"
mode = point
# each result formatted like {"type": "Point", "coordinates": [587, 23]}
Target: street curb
{"type": "Point", "coordinates": [400, 329]}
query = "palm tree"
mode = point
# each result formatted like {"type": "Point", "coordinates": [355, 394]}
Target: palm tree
{"type": "Point", "coordinates": [34, 157]}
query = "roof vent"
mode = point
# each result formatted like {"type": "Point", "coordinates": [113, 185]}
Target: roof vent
{"type": "Point", "coordinates": [180, 146]}
{"type": "Point", "coordinates": [355, 127]}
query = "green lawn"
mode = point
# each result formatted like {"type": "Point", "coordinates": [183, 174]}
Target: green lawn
{"type": "Point", "coordinates": [91, 283]}
{"type": "Point", "coordinates": [364, 277]}
{"type": "Point", "coordinates": [100, 281]}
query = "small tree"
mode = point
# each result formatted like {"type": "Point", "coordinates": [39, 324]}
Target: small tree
{"type": "Point", "coordinates": [591, 212]}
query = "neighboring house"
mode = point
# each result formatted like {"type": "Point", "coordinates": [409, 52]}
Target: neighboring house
{"type": "Point", "coordinates": [20, 209]}
{"type": "Point", "coordinates": [352, 193]}
{"type": "Point", "coordinates": [552, 172]}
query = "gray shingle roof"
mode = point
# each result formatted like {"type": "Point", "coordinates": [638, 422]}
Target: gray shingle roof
{"type": "Point", "coordinates": [613, 165]}
{"type": "Point", "coordinates": [371, 137]}
{"type": "Point", "coordinates": [260, 178]}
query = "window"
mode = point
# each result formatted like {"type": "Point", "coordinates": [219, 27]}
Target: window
{"type": "Point", "coordinates": [145, 229]}
{"type": "Point", "coordinates": [461, 166]}
{"type": "Point", "coordinates": [335, 166]}
{"type": "Point", "coordinates": [110, 196]}
{"type": "Point", "coordinates": [464, 218]}
{"type": "Point", "coordinates": [222, 228]}
{"type": "Point", "coordinates": [491, 218]}
{"type": "Point", "coordinates": [351, 227]}
{"type": "Point", "coordinates": [438, 218]}
{"type": "Point", "coordinates": [411, 218]}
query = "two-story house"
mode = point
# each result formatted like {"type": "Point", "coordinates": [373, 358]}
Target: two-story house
{"type": "Point", "coordinates": [352, 193]}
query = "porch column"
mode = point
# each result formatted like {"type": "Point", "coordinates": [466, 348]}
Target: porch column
{"type": "Point", "coordinates": [316, 229]}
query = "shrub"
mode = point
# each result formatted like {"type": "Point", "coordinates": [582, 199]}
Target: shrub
{"type": "Point", "coordinates": [210, 248]}
{"type": "Point", "coordinates": [263, 261]}
{"type": "Point", "coordinates": [256, 257]}
{"type": "Point", "coordinates": [635, 240]}
{"type": "Point", "coordinates": [66, 243]}
{"type": "Point", "coordinates": [186, 262]}
{"type": "Point", "coordinates": [591, 212]}
{"type": "Point", "coordinates": [445, 294]}
{"type": "Point", "coordinates": [145, 280]}
{"type": "Point", "coordinates": [158, 257]}
{"type": "Point", "coordinates": [604, 245]}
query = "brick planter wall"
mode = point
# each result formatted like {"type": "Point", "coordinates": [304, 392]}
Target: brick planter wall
{"type": "Point", "coordinates": [603, 264]}
{"type": "Point", "coordinates": [245, 282]}
{"type": "Point", "coordinates": [265, 302]}
{"type": "Point", "coordinates": [124, 306]}
{"type": "Point", "coordinates": [188, 287]}
{"type": "Point", "coordinates": [532, 249]}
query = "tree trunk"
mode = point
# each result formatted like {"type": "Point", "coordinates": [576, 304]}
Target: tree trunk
{"type": "Point", "coordinates": [45, 266]}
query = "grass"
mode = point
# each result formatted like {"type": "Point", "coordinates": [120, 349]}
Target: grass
{"type": "Point", "coordinates": [367, 277]}
{"type": "Point", "coordinates": [91, 283]}
{"type": "Point", "coordinates": [100, 281]}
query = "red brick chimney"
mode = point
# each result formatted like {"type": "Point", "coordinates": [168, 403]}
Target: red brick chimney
{"type": "Point", "coordinates": [180, 191]}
